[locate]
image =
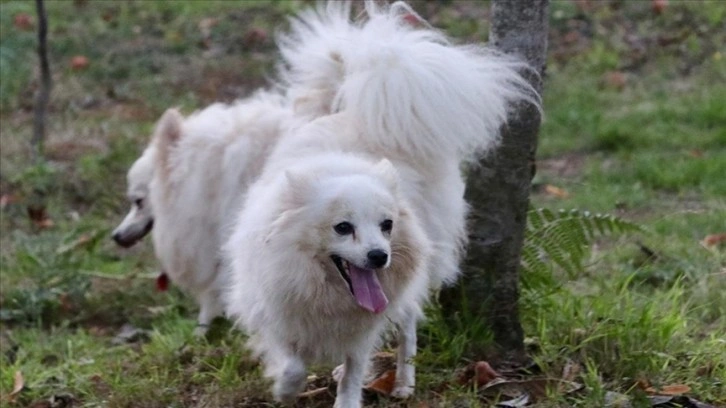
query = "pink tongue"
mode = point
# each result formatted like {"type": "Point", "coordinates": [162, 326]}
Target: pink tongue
{"type": "Point", "coordinates": [367, 290]}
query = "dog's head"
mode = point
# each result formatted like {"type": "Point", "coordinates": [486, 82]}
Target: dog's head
{"type": "Point", "coordinates": [349, 222]}
{"type": "Point", "coordinates": [139, 221]}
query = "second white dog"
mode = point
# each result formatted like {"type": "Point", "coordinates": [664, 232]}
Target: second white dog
{"type": "Point", "coordinates": [202, 166]}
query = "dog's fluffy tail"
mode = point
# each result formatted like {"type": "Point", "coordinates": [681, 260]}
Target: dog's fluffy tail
{"type": "Point", "coordinates": [414, 90]}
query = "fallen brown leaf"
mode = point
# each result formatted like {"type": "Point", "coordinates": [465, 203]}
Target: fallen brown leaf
{"type": "Point", "coordinates": [484, 373]}
{"type": "Point", "coordinates": [673, 389]}
{"type": "Point", "coordinates": [615, 79]}
{"type": "Point", "coordinates": [39, 217]}
{"type": "Point", "coordinates": [556, 191]}
{"type": "Point", "coordinates": [713, 240]}
{"type": "Point", "coordinates": [642, 383]}
{"type": "Point", "coordinates": [65, 302]}
{"type": "Point", "coordinates": [79, 62]}
{"type": "Point", "coordinates": [383, 384]}
{"type": "Point", "coordinates": [108, 16]}
{"type": "Point", "coordinates": [479, 373]}
{"type": "Point", "coordinates": [23, 21]}
{"type": "Point", "coordinates": [571, 37]}
{"type": "Point", "coordinates": [254, 37]}
{"type": "Point", "coordinates": [696, 153]}
{"type": "Point", "coordinates": [659, 6]}
{"type": "Point", "coordinates": [18, 385]}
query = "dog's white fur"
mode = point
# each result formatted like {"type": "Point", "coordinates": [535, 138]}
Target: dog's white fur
{"type": "Point", "coordinates": [382, 89]}
{"type": "Point", "coordinates": [202, 166]}
{"type": "Point", "coordinates": [139, 220]}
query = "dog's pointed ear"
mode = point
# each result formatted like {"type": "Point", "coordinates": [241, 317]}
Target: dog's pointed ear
{"type": "Point", "coordinates": [167, 134]}
{"type": "Point", "coordinates": [169, 127]}
{"type": "Point", "coordinates": [388, 173]}
{"type": "Point", "coordinates": [300, 187]}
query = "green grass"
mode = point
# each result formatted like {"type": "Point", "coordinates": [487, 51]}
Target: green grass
{"type": "Point", "coordinates": [651, 150]}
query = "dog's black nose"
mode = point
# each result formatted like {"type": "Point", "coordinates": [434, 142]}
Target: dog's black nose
{"type": "Point", "coordinates": [377, 258]}
{"type": "Point", "coordinates": [122, 240]}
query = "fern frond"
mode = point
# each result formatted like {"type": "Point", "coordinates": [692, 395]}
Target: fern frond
{"type": "Point", "coordinates": [563, 238]}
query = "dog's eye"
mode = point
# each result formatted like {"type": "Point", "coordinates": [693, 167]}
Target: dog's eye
{"type": "Point", "coordinates": [344, 228]}
{"type": "Point", "coordinates": [139, 202]}
{"type": "Point", "coordinates": [386, 225]}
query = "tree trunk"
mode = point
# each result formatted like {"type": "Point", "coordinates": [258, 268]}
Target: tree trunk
{"type": "Point", "coordinates": [498, 191]}
{"type": "Point", "coordinates": [41, 98]}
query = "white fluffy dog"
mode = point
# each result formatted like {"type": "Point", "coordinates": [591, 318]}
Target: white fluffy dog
{"type": "Point", "coordinates": [359, 212]}
{"type": "Point", "coordinates": [190, 182]}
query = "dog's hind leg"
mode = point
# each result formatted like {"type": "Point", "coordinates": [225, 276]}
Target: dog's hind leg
{"type": "Point", "coordinates": [209, 308]}
{"type": "Point", "coordinates": [405, 370]}
{"type": "Point", "coordinates": [350, 385]}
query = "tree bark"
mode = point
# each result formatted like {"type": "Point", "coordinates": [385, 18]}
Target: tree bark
{"type": "Point", "coordinates": [498, 191]}
{"type": "Point", "coordinates": [41, 98]}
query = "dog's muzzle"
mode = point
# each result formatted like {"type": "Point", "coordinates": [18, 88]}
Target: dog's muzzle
{"type": "Point", "coordinates": [129, 239]}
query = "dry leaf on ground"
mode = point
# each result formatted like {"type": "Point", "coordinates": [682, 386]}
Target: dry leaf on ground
{"type": "Point", "coordinates": [23, 21]}
{"type": "Point", "coordinates": [39, 217]}
{"type": "Point", "coordinates": [556, 191]}
{"type": "Point", "coordinates": [254, 37]}
{"type": "Point", "coordinates": [383, 384]}
{"type": "Point", "coordinates": [79, 62]}
{"type": "Point", "coordinates": [659, 6]}
{"type": "Point", "coordinates": [713, 240]}
{"type": "Point", "coordinates": [615, 80]}
{"type": "Point", "coordinates": [18, 385]}
{"type": "Point", "coordinates": [479, 373]}
{"type": "Point", "coordinates": [673, 389]}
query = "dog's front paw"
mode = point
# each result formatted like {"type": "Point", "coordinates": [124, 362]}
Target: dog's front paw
{"type": "Point", "coordinates": [290, 383]}
{"type": "Point", "coordinates": [402, 391]}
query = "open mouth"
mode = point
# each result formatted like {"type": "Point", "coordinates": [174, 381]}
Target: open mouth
{"type": "Point", "coordinates": [363, 284]}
